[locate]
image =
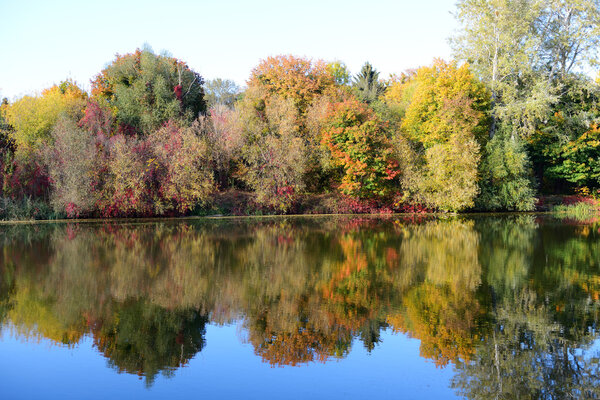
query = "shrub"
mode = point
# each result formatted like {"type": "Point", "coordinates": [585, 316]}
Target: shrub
{"type": "Point", "coordinates": [25, 175]}
{"type": "Point", "coordinates": [25, 208]}
{"type": "Point", "coordinates": [71, 161]}
{"type": "Point", "coordinates": [180, 169]}
{"type": "Point", "coordinates": [164, 174]}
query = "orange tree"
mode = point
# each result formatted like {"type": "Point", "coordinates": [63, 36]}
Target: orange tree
{"type": "Point", "coordinates": [293, 78]}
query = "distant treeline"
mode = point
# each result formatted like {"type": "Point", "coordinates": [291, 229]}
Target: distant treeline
{"type": "Point", "coordinates": [513, 116]}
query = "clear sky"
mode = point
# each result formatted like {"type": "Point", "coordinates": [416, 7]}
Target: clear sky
{"type": "Point", "coordinates": [44, 42]}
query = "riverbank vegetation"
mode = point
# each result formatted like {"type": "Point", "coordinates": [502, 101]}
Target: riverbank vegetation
{"type": "Point", "coordinates": [512, 118]}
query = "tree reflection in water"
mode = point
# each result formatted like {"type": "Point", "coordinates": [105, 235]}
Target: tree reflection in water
{"type": "Point", "coordinates": [511, 302]}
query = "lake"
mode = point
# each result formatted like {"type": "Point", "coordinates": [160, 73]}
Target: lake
{"type": "Point", "coordinates": [418, 307]}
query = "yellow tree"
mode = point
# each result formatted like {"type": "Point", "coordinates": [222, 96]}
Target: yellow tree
{"type": "Point", "coordinates": [447, 117]}
{"type": "Point", "coordinates": [439, 87]}
{"type": "Point", "coordinates": [33, 117]}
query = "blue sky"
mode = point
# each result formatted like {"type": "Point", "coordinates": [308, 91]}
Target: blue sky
{"type": "Point", "coordinates": [44, 42]}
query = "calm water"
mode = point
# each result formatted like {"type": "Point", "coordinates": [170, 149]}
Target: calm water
{"type": "Point", "coordinates": [325, 307]}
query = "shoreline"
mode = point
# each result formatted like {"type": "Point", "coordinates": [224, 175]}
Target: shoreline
{"type": "Point", "coordinates": [277, 216]}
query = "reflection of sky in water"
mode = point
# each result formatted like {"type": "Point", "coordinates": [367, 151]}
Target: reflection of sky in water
{"type": "Point", "coordinates": [225, 368]}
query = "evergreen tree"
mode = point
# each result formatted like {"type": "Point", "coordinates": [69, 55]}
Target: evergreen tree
{"type": "Point", "coordinates": [366, 84]}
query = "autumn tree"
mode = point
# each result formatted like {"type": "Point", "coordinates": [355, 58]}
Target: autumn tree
{"type": "Point", "coordinates": [287, 94]}
{"type": "Point", "coordinates": [298, 79]}
{"type": "Point", "coordinates": [33, 117]}
{"type": "Point", "coordinates": [146, 90]}
{"type": "Point", "coordinates": [358, 145]}
{"type": "Point", "coordinates": [578, 161]}
{"type": "Point", "coordinates": [447, 116]}
{"type": "Point", "coordinates": [440, 91]}
{"type": "Point", "coordinates": [273, 154]}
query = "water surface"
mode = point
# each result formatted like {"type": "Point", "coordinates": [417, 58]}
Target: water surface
{"type": "Point", "coordinates": [325, 307]}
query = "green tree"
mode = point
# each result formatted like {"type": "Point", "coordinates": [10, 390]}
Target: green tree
{"type": "Point", "coordinates": [574, 113]}
{"type": "Point", "coordinates": [570, 35]}
{"type": "Point", "coordinates": [498, 40]}
{"type": "Point", "coordinates": [578, 161]}
{"type": "Point", "coordinates": [340, 72]}
{"type": "Point", "coordinates": [366, 84]}
{"type": "Point", "coordinates": [221, 92]}
{"type": "Point", "coordinates": [506, 176]}
{"type": "Point", "coordinates": [146, 90]}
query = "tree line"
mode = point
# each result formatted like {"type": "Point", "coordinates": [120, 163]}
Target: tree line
{"type": "Point", "coordinates": [513, 116]}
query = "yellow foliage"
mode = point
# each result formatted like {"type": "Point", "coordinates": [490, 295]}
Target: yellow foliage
{"type": "Point", "coordinates": [33, 117]}
{"type": "Point", "coordinates": [438, 89]}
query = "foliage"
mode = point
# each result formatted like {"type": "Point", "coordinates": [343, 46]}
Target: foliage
{"type": "Point", "coordinates": [298, 79]}
{"type": "Point", "coordinates": [146, 90]}
{"type": "Point", "coordinates": [32, 118]}
{"type": "Point", "coordinates": [221, 92]}
{"type": "Point", "coordinates": [340, 73]}
{"type": "Point", "coordinates": [366, 84]}
{"type": "Point", "coordinates": [357, 142]}
{"type": "Point", "coordinates": [506, 176]}
{"type": "Point", "coordinates": [273, 153]}
{"type": "Point", "coordinates": [578, 161]}
{"type": "Point", "coordinates": [71, 162]}
{"type": "Point", "coordinates": [445, 94]}
{"type": "Point", "coordinates": [163, 174]}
